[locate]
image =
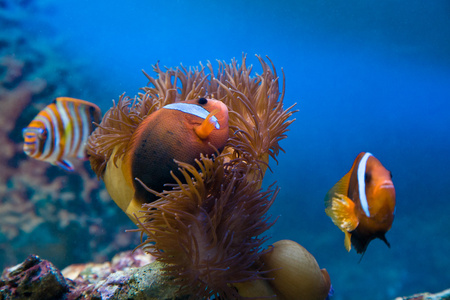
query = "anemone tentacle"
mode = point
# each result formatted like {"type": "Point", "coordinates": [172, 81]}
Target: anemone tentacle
{"type": "Point", "coordinates": [209, 226]}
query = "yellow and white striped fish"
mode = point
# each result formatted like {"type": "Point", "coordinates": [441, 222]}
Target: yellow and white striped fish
{"type": "Point", "coordinates": [60, 131]}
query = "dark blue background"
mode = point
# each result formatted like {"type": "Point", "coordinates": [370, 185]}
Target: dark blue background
{"type": "Point", "coordinates": [367, 76]}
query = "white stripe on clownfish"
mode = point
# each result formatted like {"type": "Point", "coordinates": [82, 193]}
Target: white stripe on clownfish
{"type": "Point", "coordinates": [362, 183]}
{"type": "Point", "coordinates": [193, 109]}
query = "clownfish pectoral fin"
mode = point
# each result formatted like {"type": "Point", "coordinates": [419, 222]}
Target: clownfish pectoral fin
{"type": "Point", "coordinates": [204, 129]}
{"type": "Point", "coordinates": [341, 210]}
{"type": "Point", "coordinates": [66, 165]}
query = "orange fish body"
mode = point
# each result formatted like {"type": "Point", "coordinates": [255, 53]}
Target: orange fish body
{"type": "Point", "coordinates": [362, 203]}
{"type": "Point", "coordinates": [60, 131]}
{"type": "Point", "coordinates": [180, 131]}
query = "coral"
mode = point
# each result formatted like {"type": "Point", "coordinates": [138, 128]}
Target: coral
{"type": "Point", "coordinates": [44, 210]}
{"type": "Point", "coordinates": [295, 272]}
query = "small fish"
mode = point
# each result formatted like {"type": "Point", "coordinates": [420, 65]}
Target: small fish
{"type": "Point", "coordinates": [60, 131]}
{"type": "Point", "coordinates": [362, 203]}
{"type": "Point", "coordinates": [179, 131]}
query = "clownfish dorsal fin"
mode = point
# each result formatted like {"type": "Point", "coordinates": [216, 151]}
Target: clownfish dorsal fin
{"type": "Point", "coordinates": [341, 187]}
{"type": "Point", "coordinates": [207, 126]}
{"type": "Point", "coordinates": [341, 210]}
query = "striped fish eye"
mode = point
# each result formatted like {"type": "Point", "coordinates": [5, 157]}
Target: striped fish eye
{"type": "Point", "coordinates": [34, 138]}
{"type": "Point", "coordinates": [33, 132]}
{"type": "Point", "coordinates": [42, 134]}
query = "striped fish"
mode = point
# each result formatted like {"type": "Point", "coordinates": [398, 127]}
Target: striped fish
{"type": "Point", "coordinates": [60, 131]}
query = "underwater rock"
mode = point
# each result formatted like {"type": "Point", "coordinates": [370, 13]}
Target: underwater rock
{"type": "Point", "coordinates": [147, 282]}
{"type": "Point", "coordinates": [33, 279]}
{"type": "Point", "coordinates": [130, 275]}
{"type": "Point", "coordinates": [444, 295]}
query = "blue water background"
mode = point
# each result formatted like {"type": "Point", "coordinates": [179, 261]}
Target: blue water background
{"type": "Point", "coordinates": [366, 76]}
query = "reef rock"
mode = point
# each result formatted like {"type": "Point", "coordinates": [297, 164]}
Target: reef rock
{"type": "Point", "coordinates": [444, 295]}
{"type": "Point", "coordinates": [33, 279]}
{"type": "Point", "coordinates": [130, 275]}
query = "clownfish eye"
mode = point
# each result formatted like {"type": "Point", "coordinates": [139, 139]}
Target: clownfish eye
{"type": "Point", "coordinates": [202, 101]}
{"type": "Point", "coordinates": [390, 174]}
{"type": "Point", "coordinates": [367, 177]}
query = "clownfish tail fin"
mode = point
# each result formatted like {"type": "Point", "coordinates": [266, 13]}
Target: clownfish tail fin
{"type": "Point", "coordinates": [383, 238]}
{"type": "Point", "coordinates": [207, 126]}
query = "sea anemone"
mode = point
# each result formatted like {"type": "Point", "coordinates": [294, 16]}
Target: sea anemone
{"type": "Point", "coordinates": [208, 224]}
{"type": "Point", "coordinates": [257, 120]}
{"type": "Point", "coordinates": [209, 234]}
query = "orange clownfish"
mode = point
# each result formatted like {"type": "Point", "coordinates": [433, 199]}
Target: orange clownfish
{"type": "Point", "coordinates": [362, 203]}
{"type": "Point", "coordinates": [60, 131]}
{"type": "Point", "coordinates": [179, 131]}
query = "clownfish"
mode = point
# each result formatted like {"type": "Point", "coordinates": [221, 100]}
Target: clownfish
{"type": "Point", "coordinates": [179, 131]}
{"type": "Point", "coordinates": [60, 131]}
{"type": "Point", "coordinates": [362, 203]}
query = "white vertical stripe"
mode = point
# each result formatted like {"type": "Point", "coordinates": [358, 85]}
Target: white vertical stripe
{"type": "Point", "coordinates": [75, 128]}
{"type": "Point", "coordinates": [60, 107]}
{"type": "Point", "coordinates": [195, 110]}
{"type": "Point", "coordinates": [56, 139]}
{"type": "Point", "coordinates": [85, 126]}
{"type": "Point", "coordinates": [362, 183]}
